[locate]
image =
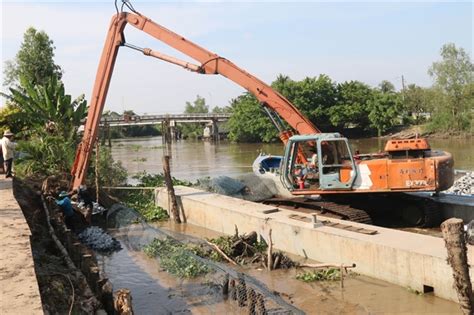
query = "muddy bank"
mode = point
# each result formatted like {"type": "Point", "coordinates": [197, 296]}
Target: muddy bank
{"type": "Point", "coordinates": [61, 290]}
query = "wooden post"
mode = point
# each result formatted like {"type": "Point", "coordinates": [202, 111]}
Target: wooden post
{"type": "Point", "coordinates": [453, 234]}
{"type": "Point", "coordinates": [341, 271]}
{"type": "Point", "coordinates": [68, 240]}
{"type": "Point", "coordinates": [108, 136]}
{"type": "Point", "coordinates": [169, 186]}
{"type": "Point", "coordinates": [123, 302]}
{"type": "Point", "coordinates": [76, 254]}
{"type": "Point", "coordinates": [270, 252]}
{"type": "Point", "coordinates": [225, 286]}
{"type": "Point", "coordinates": [93, 277]}
{"type": "Point", "coordinates": [96, 172]}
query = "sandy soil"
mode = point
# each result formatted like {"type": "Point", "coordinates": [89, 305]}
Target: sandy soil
{"type": "Point", "coordinates": [19, 292]}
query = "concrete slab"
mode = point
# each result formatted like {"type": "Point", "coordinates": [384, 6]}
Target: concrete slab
{"type": "Point", "coordinates": [19, 292]}
{"type": "Point", "coordinates": [407, 259]}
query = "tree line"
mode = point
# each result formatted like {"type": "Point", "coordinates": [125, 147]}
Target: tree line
{"type": "Point", "coordinates": [355, 107]}
{"type": "Point", "coordinates": [447, 106]}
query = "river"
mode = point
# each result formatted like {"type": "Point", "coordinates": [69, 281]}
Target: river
{"type": "Point", "coordinates": [196, 159]}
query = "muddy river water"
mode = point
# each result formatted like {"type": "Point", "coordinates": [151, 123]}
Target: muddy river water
{"type": "Point", "coordinates": [154, 291]}
{"type": "Point", "coordinates": [195, 159]}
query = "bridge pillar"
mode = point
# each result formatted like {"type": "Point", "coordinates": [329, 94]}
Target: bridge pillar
{"type": "Point", "coordinates": [165, 132]}
{"type": "Point", "coordinates": [215, 130]}
{"type": "Point", "coordinates": [173, 130]}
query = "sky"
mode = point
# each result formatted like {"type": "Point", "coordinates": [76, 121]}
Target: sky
{"type": "Point", "coordinates": [366, 41]}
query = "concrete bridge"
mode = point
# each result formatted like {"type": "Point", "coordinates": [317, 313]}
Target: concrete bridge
{"type": "Point", "coordinates": [171, 119]}
{"type": "Point", "coordinates": [168, 122]}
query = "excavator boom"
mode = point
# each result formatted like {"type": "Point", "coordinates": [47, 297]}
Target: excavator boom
{"type": "Point", "coordinates": [406, 165]}
{"type": "Point", "coordinates": [210, 63]}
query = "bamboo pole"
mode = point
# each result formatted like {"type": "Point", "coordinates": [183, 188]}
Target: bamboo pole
{"type": "Point", "coordinates": [169, 185]}
{"type": "Point", "coordinates": [453, 234]}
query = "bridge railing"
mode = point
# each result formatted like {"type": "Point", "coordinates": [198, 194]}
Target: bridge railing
{"type": "Point", "coordinates": [163, 117]}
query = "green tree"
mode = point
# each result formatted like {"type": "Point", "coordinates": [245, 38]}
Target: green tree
{"type": "Point", "coordinates": [248, 122]}
{"type": "Point", "coordinates": [134, 130]}
{"type": "Point", "coordinates": [10, 118]}
{"type": "Point", "coordinates": [386, 87]}
{"type": "Point", "coordinates": [453, 76]}
{"type": "Point", "coordinates": [314, 97]}
{"type": "Point", "coordinates": [48, 106]}
{"type": "Point", "coordinates": [199, 106]}
{"type": "Point", "coordinates": [221, 110]}
{"type": "Point", "coordinates": [34, 61]}
{"type": "Point", "coordinates": [286, 87]}
{"type": "Point", "coordinates": [417, 100]}
{"type": "Point", "coordinates": [384, 109]}
{"type": "Point", "coordinates": [352, 105]}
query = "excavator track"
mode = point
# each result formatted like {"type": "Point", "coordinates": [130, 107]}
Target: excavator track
{"type": "Point", "coordinates": [324, 207]}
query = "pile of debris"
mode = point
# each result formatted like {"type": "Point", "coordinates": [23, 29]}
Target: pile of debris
{"type": "Point", "coordinates": [246, 249]}
{"type": "Point", "coordinates": [97, 239]}
{"type": "Point", "coordinates": [463, 186]}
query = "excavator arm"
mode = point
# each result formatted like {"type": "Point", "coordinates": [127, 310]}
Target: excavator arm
{"type": "Point", "coordinates": [209, 63]}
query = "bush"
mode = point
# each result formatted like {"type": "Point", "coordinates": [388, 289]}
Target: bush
{"type": "Point", "coordinates": [143, 200]}
{"type": "Point", "coordinates": [45, 155]}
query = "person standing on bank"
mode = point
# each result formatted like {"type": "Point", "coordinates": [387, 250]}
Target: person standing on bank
{"type": "Point", "coordinates": [8, 150]}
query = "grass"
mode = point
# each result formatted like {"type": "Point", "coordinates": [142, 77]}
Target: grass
{"type": "Point", "coordinates": [143, 200]}
{"type": "Point", "coordinates": [176, 258]}
{"type": "Point", "coordinates": [329, 274]}
{"type": "Point", "coordinates": [144, 204]}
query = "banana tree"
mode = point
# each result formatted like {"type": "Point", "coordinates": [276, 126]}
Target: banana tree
{"type": "Point", "coordinates": [49, 107]}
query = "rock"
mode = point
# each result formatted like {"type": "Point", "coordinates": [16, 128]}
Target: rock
{"type": "Point", "coordinates": [463, 186]}
{"type": "Point", "coordinates": [97, 239]}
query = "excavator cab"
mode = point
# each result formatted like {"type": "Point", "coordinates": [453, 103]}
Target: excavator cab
{"type": "Point", "coordinates": [318, 162]}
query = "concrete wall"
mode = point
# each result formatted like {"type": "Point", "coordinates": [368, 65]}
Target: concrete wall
{"type": "Point", "coordinates": [402, 258]}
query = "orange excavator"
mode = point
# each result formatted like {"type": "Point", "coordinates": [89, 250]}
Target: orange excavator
{"type": "Point", "coordinates": [406, 165]}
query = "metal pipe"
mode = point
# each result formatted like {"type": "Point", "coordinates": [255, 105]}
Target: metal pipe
{"type": "Point", "coordinates": [272, 118]}
{"type": "Point", "coordinates": [164, 57]}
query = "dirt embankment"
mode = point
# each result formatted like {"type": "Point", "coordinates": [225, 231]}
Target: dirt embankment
{"type": "Point", "coordinates": [57, 283]}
